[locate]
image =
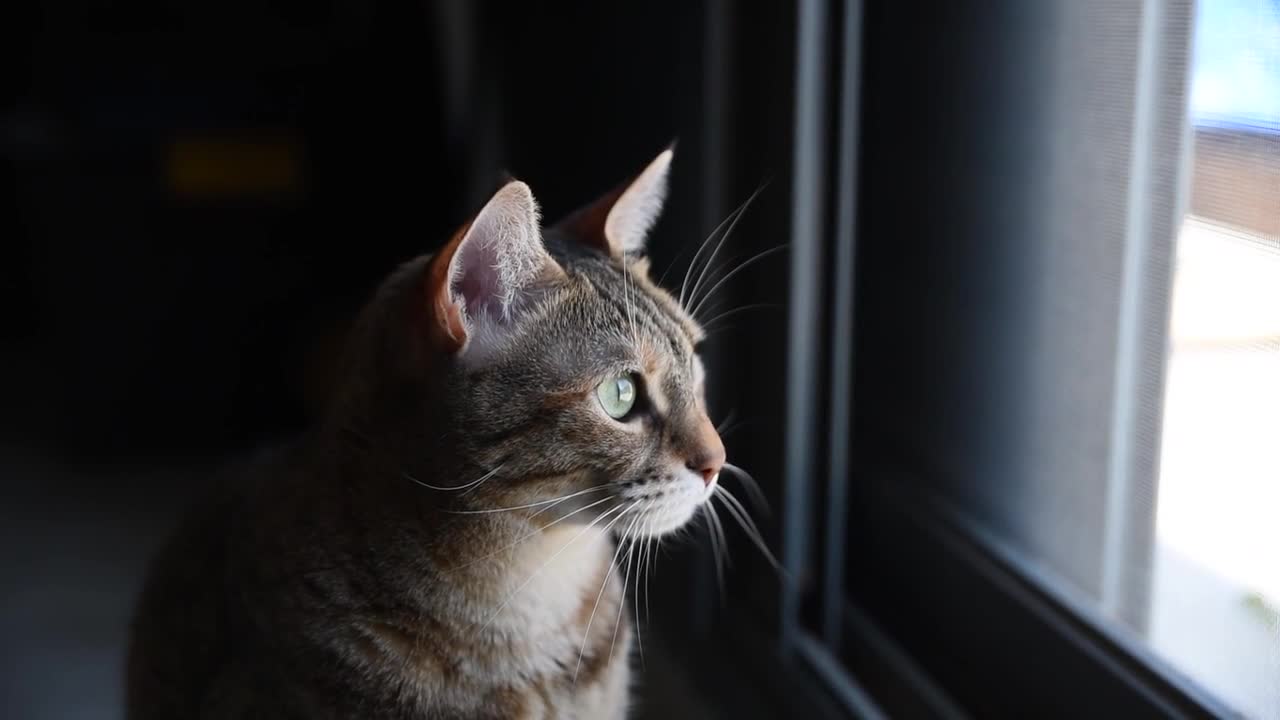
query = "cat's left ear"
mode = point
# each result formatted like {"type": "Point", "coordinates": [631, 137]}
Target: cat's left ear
{"type": "Point", "coordinates": [619, 223]}
{"type": "Point", "coordinates": [480, 282]}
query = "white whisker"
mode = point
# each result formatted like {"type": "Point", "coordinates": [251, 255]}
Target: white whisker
{"type": "Point", "coordinates": [728, 313]}
{"type": "Point", "coordinates": [731, 429]}
{"type": "Point", "coordinates": [719, 547]}
{"type": "Point", "coordinates": [586, 635]}
{"type": "Point", "coordinates": [753, 488]}
{"type": "Point", "coordinates": [729, 276]}
{"type": "Point", "coordinates": [693, 262]}
{"type": "Point", "coordinates": [715, 549]}
{"type": "Point", "coordinates": [662, 278]}
{"type": "Point", "coordinates": [472, 484]}
{"type": "Point", "coordinates": [552, 501]}
{"type": "Point", "coordinates": [649, 542]}
{"type": "Point", "coordinates": [640, 569]}
{"type": "Point", "coordinates": [538, 531]}
{"type": "Point", "coordinates": [742, 210]}
{"type": "Point", "coordinates": [631, 311]}
{"type": "Point", "coordinates": [622, 599]}
{"type": "Point", "coordinates": [748, 526]}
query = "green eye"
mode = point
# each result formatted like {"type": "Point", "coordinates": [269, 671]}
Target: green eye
{"type": "Point", "coordinates": [617, 395]}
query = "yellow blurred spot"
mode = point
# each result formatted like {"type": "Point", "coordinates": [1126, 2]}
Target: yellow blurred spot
{"type": "Point", "coordinates": [221, 168]}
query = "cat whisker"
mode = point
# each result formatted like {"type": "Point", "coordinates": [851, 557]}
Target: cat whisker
{"type": "Point", "coordinates": [648, 571]}
{"type": "Point", "coordinates": [657, 551]}
{"type": "Point", "coordinates": [714, 533]}
{"type": "Point", "coordinates": [538, 531]}
{"type": "Point", "coordinates": [736, 508]}
{"type": "Point", "coordinates": [703, 246]}
{"type": "Point", "coordinates": [725, 556]}
{"type": "Point", "coordinates": [707, 326]}
{"type": "Point", "coordinates": [667, 271]}
{"type": "Point", "coordinates": [693, 262]}
{"type": "Point", "coordinates": [622, 599]}
{"type": "Point", "coordinates": [714, 277]}
{"type": "Point", "coordinates": [530, 505]}
{"type": "Point", "coordinates": [739, 513]}
{"type": "Point", "coordinates": [713, 303]}
{"type": "Point", "coordinates": [725, 561]}
{"type": "Point", "coordinates": [729, 424]}
{"type": "Point", "coordinates": [441, 488]}
{"type": "Point", "coordinates": [729, 276]}
{"type": "Point", "coordinates": [476, 484]}
{"type": "Point", "coordinates": [551, 559]}
{"type": "Point", "coordinates": [631, 310]}
{"type": "Point", "coordinates": [742, 210]}
{"type": "Point", "coordinates": [641, 567]}
{"type": "Point", "coordinates": [586, 635]}
{"type": "Point", "coordinates": [731, 429]}
{"type": "Point", "coordinates": [727, 419]}
{"type": "Point", "coordinates": [753, 488]}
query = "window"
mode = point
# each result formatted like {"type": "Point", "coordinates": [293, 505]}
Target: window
{"type": "Point", "coordinates": [977, 514]}
{"type": "Point", "coordinates": [1215, 610]}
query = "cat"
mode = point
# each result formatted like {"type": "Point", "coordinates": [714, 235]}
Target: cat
{"type": "Point", "coordinates": [442, 545]}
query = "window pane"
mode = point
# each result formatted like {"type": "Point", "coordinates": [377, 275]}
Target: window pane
{"type": "Point", "coordinates": [1215, 609]}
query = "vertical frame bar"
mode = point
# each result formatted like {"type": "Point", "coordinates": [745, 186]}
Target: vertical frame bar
{"type": "Point", "coordinates": [718, 34]}
{"type": "Point", "coordinates": [842, 348]}
{"type": "Point", "coordinates": [807, 213]}
{"type": "Point", "coordinates": [1158, 166]}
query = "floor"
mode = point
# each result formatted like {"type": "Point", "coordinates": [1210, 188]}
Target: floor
{"type": "Point", "coordinates": [74, 548]}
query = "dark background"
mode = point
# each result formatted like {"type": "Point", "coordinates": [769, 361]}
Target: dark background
{"type": "Point", "coordinates": [195, 196]}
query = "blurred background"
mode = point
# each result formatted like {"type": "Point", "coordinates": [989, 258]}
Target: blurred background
{"type": "Point", "coordinates": [1013, 388]}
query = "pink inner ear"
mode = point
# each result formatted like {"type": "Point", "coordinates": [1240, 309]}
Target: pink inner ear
{"type": "Point", "coordinates": [478, 282]}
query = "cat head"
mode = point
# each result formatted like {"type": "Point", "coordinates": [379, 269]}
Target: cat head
{"type": "Point", "coordinates": [563, 370]}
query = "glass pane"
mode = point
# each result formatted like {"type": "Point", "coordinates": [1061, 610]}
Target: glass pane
{"type": "Point", "coordinates": [1215, 609]}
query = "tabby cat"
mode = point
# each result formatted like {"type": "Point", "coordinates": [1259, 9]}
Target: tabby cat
{"type": "Point", "coordinates": [441, 545]}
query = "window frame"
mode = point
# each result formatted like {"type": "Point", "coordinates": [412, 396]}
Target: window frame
{"type": "Point", "coordinates": [1030, 644]}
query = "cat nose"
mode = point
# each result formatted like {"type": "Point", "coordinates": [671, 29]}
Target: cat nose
{"type": "Point", "coordinates": [708, 467]}
{"type": "Point", "coordinates": [708, 454]}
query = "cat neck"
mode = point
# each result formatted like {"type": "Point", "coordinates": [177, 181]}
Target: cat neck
{"type": "Point", "coordinates": [490, 554]}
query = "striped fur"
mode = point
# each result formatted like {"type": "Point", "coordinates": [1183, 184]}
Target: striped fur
{"type": "Point", "coordinates": [352, 575]}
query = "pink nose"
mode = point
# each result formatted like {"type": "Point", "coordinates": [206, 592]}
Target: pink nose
{"type": "Point", "coordinates": [708, 462]}
{"type": "Point", "coordinates": [705, 451]}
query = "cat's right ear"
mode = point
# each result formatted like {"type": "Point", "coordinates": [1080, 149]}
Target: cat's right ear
{"type": "Point", "coordinates": [491, 269]}
{"type": "Point", "coordinates": [618, 224]}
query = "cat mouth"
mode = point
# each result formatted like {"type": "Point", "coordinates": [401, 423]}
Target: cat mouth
{"type": "Point", "coordinates": [672, 506]}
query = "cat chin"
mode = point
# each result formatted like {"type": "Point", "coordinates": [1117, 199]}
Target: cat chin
{"type": "Point", "coordinates": [658, 522]}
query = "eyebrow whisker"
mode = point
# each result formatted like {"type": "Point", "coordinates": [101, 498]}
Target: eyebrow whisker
{"type": "Point", "coordinates": [742, 210]}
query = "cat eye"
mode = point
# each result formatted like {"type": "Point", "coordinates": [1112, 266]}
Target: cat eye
{"type": "Point", "coordinates": [617, 395]}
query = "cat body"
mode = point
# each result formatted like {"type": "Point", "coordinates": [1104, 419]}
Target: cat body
{"type": "Point", "coordinates": [257, 610]}
{"type": "Point", "coordinates": [443, 544]}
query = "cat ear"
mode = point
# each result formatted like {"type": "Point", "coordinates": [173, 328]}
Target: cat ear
{"type": "Point", "coordinates": [490, 270]}
{"type": "Point", "coordinates": [619, 222]}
